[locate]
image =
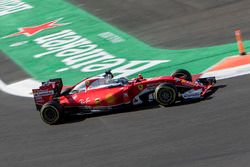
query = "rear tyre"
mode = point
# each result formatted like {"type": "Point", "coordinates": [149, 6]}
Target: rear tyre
{"type": "Point", "coordinates": [183, 74]}
{"type": "Point", "coordinates": [165, 94]}
{"type": "Point", "coordinates": [50, 113]}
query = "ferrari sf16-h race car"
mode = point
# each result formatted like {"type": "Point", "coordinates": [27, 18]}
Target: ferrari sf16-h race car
{"type": "Point", "coordinates": [105, 93]}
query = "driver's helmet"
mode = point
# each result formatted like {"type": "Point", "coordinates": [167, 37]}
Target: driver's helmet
{"type": "Point", "coordinates": [108, 78]}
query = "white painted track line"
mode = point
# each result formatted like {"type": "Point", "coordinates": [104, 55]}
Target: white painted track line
{"type": "Point", "coordinates": [22, 88]}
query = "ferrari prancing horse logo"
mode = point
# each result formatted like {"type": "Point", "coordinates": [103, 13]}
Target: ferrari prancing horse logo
{"type": "Point", "coordinates": [140, 86]}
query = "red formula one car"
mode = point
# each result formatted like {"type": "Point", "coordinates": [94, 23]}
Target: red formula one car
{"type": "Point", "coordinates": [104, 93]}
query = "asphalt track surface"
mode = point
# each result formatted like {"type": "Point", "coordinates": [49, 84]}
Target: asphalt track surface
{"type": "Point", "coordinates": [213, 132]}
{"type": "Point", "coordinates": [175, 24]}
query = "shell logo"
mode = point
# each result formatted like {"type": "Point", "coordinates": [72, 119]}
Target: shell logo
{"type": "Point", "coordinates": [110, 98]}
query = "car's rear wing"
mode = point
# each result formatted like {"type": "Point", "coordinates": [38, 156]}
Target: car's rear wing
{"type": "Point", "coordinates": [47, 91]}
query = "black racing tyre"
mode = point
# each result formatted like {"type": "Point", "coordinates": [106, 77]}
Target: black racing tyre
{"type": "Point", "coordinates": [165, 94]}
{"type": "Point", "coordinates": [51, 113]}
{"type": "Point", "coordinates": [184, 74]}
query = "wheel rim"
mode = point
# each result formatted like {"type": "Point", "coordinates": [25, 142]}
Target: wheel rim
{"type": "Point", "coordinates": [165, 96]}
{"type": "Point", "coordinates": [50, 115]}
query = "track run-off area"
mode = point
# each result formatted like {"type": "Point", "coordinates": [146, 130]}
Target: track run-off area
{"type": "Point", "coordinates": [76, 39]}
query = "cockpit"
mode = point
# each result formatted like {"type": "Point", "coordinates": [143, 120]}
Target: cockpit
{"type": "Point", "coordinates": [98, 82]}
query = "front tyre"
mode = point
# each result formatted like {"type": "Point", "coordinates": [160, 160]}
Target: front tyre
{"type": "Point", "coordinates": [165, 94]}
{"type": "Point", "coordinates": [50, 113]}
{"type": "Point", "coordinates": [183, 74]}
